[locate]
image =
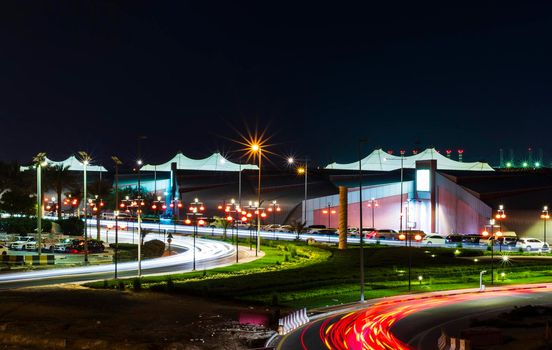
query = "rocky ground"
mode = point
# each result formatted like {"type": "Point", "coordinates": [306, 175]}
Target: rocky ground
{"type": "Point", "coordinates": [74, 317]}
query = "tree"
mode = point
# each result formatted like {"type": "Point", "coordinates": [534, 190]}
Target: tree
{"type": "Point", "coordinates": [221, 223]}
{"type": "Point", "coordinates": [17, 201]}
{"type": "Point", "coordinates": [57, 178]}
{"type": "Point", "coordinates": [299, 227]}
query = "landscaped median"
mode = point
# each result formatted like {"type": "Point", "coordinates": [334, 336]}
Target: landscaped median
{"type": "Point", "coordinates": [298, 275]}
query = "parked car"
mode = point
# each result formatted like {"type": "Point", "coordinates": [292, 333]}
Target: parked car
{"type": "Point", "coordinates": [77, 246]}
{"type": "Point", "coordinates": [386, 234]}
{"type": "Point", "coordinates": [434, 239]}
{"type": "Point", "coordinates": [22, 243]}
{"type": "Point", "coordinates": [327, 231]}
{"type": "Point", "coordinates": [315, 228]}
{"type": "Point", "coordinates": [61, 245]}
{"type": "Point", "coordinates": [271, 227]}
{"type": "Point", "coordinates": [3, 250]}
{"type": "Point", "coordinates": [285, 228]}
{"type": "Point", "coordinates": [109, 215]}
{"type": "Point", "coordinates": [530, 244]}
{"type": "Point", "coordinates": [242, 225]}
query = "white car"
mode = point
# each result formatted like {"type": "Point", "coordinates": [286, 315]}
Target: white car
{"type": "Point", "coordinates": [271, 227]}
{"type": "Point", "coordinates": [434, 239]}
{"type": "Point", "coordinates": [284, 228]}
{"type": "Point", "coordinates": [23, 243]}
{"type": "Point", "coordinates": [530, 244]}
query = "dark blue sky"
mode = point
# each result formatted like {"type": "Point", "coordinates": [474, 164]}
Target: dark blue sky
{"type": "Point", "coordinates": [94, 75]}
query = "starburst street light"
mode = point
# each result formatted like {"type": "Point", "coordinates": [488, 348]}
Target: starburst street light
{"type": "Point", "coordinates": [40, 161]}
{"type": "Point", "coordinates": [256, 149]}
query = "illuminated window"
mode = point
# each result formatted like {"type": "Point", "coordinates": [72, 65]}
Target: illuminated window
{"type": "Point", "coordinates": [422, 180]}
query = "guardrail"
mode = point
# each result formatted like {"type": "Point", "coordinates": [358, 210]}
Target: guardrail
{"type": "Point", "coordinates": [292, 321]}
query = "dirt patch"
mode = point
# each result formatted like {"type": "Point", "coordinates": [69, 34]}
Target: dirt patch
{"type": "Point", "coordinates": [73, 317]}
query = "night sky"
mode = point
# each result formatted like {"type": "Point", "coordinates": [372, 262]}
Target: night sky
{"type": "Point", "coordinates": [95, 75]}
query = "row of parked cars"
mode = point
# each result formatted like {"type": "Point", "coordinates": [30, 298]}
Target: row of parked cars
{"type": "Point", "coordinates": [66, 245]}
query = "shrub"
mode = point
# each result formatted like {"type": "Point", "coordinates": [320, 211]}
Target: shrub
{"type": "Point", "coordinates": [72, 226]}
{"type": "Point", "coordinates": [275, 299]}
{"type": "Point", "coordinates": [153, 249]}
{"type": "Point", "coordinates": [121, 285]}
{"type": "Point", "coordinates": [137, 284]}
{"type": "Point", "coordinates": [23, 225]}
{"type": "Point", "coordinates": [170, 284]}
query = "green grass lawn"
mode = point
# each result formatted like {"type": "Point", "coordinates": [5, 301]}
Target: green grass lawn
{"type": "Point", "coordinates": [298, 275]}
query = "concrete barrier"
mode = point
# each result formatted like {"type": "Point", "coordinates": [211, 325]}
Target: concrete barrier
{"type": "Point", "coordinates": [40, 260]}
{"type": "Point", "coordinates": [13, 259]}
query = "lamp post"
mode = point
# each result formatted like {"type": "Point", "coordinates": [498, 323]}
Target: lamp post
{"type": "Point", "coordinates": [373, 203]}
{"type": "Point", "coordinates": [117, 162]}
{"type": "Point", "coordinates": [233, 208]}
{"type": "Point", "coordinates": [139, 219]}
{"type": "Point", "coordinates": [136, 205]}
{"type": "Point", "coordinates": [40, 161]}
{"type": "Point", "coordinates": [274, 207]}
{"type": "Point", "coordinates": [500, 215]}
{"type": "Point", "coordinates": [544, 216]}
{"type": "Point", "coordinates": [85, 160]}
{"type": "Point", "coordinates": [158, 206]}
{"type": "Point", "coordinates": [97, 205]}
{"type": "Point", "coordinates": [329, 211]}
{"type": "Point", "coordinates": [360, 231]}
{"type": "Point", "coordinates": [256, 149]}
{"type": "Point", "coordinates": [195, 210]}
{"type": "Point", "coordinates": [408, 243]}
{"type": "Point", "coordinates": [302, 170]}
{"type": "Point", "coordinates": [402, 180]}
{"type": "Point", "coordinates": [492, 236]}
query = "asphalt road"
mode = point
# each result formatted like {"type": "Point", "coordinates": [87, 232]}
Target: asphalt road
{"type": "Point", "coordinates": [208, 254]}
{"type": "Point", "coordinates": [409, 322]}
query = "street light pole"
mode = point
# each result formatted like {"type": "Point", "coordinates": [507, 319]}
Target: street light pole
{"type": "Point", "coordinates": [39, 160]}
{"type": "Point", "coordinates": [306, 189]}
{"type": "Point", "coordinates": [545, 216]}
{"type": "Point", "coordinates": [85, 159]}
{"type": "Point", "coordinates": [117, 162]}
{"type": "Point", "coordinates": [360, 232]}
{"type": "Point", "coordinates": [139, 221]}
{"type": "Point", "coordinates": [401, 200]}
{"type": "Point", "coordinates": [258, 245]}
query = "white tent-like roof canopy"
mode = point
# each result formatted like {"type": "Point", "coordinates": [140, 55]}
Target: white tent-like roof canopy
{"type": "Point", "coordinates": [380, 160]}
{"type": "Point", "coordinates": [72, 163]}
{"type": "Point", "coordinates": [215, 162]}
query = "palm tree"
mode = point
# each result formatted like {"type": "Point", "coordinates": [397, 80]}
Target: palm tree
{"type": "Point", "coordinates": [299, 227]}
{"type": "Point", "coordinates": [59, 177]}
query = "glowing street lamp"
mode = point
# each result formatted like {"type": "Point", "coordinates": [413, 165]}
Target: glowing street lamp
{"type": "Point", "coordinates": [500, 215]}
{"type": "Point", "coordinates": [256, 149]}
{"type": "Point", "coordinates": [329, 211]}
{"type": "Point", "coordinates": [372, 203]}
{"type": "Point", "coordinates": [233, 208]}
{"type": "Point", "coordinates": [302, 170]}
{"type": "Point", "coordinates": [195, 210]}
{"type": "Point", "coordinates": [545, 216]}
{"type": "Point", "coordinates": [492, 236]}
